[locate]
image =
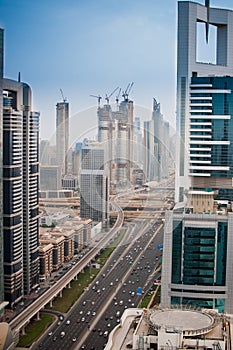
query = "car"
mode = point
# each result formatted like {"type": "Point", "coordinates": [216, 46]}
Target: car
{"type": "Point", "coordinates": [54, 338]}
{"type": "Point", "coordinates": [93, 313]}
{"type": "Point", "coordinates": [78, 320]}
{"type": "Point", "coordinates": [50, 333]}
{"type": "Point", "coordinates": [83, 319]}
{"type": "Point", "coordinates": [68, 322]}
{"type": "Point", "coordinates": [88, 313]}
{"type": "Point", "coordinates": [61, 318]}
{"type": "Point", "coordinates": [74, 339]}
{"type": "Point", "coordinates": [109, 325]}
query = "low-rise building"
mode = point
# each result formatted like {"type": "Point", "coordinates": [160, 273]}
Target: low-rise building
{"type": "Point", "coordinates": [46, 260]}
{"type": "Point", "coordinates": [57, 242]}
{"type": "Point", "coordinates": [171, 328]}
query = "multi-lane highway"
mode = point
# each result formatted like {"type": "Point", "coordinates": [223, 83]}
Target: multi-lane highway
{"type": "Point", "coordinates": [133, 264]}
{"type": "Point", "coordinates": [24, 317]}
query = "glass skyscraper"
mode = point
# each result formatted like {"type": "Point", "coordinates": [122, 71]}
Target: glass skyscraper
{"type": "Point", "coordinates": [198, 239]}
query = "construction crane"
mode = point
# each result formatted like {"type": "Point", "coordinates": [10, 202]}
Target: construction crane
{"type": "Point", "coordinates": [108, 97]}
{"type": "Point", "coordinates": [127, 91]}
{"type": "Point", "coordinates": [99, 98]}
{"type": "Point", "coordinates": [64, 99]}
{"type": "Point", "coordinates": [117, 97]}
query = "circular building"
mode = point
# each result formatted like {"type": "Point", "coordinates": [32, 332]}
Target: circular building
{"type": "Point", "coordinates": [191, 322]}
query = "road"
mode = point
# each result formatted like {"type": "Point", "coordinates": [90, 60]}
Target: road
{"type": "Point", "coordinates": [23, 318]}
{"type": "Point", "coordinates": [132, 265]}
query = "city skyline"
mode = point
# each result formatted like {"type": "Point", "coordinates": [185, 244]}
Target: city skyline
{"type": "Point", "coordinates": [85, 48]}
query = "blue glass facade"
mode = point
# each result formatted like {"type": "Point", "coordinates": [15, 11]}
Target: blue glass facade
{"type": "Point", "coordinates": [199, 256]}
{"type": "Point", "coordinates": [221, 129]}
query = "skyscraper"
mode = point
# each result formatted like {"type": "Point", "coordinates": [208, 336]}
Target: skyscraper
{"type": "Point", "coordinates": [115, 133]}
{"type": "Point", "coordinates": [198, 255]}
{"type": "Point", "coordinates": [62, 135]}
{"type": "Point", "coordinates": [156, 142]}
{"type": "Point", "coordinates": [1, 118]}
{"type": "Point", "coordinates": [20, 191]}
{"type": "Point", "coordinates": [94, 187]}
{"type": "Point", "coordinates": [190, 14]}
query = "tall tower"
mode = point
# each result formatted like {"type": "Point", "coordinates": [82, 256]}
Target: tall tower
{"type": "Point", "coordinates": [62, 135]}
{"type": "Point", "coordinates": [189, 14]}
{"type": "Point", "coordinates": [20, 191]}
{"type": "Point", "coordinates": [94, 188]}
{"type": "Point", "coordinates": [1, 119]}
{"type": "Point", "coordinates": [198, 256]}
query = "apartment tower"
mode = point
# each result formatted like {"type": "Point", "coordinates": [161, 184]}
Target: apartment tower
{"type": "Point", "coordinates": [20, 191]}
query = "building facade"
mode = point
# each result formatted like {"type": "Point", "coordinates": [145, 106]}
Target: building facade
{"type": "Point", "coordinates": [198, 272]}
{"type": "Point", "coordinates": [94, 188]}
{"type": "Point", "coordinates": [20, 191]}
{"type": "Point", "coordinates": [62, 135]}
{"type": "Point", "coordinates": [1, 199]}
{"type": "Point", "coordinates": [198, 255]}
{"type": "Point", "coordinates": [190, 14]}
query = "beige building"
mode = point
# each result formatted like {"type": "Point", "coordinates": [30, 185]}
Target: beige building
{"type": "Point", "coordinates": [58, 242]}
{"type": "Point", "coordinates": [46, 260]}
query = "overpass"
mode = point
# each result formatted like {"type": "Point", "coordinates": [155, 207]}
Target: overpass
{"type": "Point", "coordinates": [20, 321]}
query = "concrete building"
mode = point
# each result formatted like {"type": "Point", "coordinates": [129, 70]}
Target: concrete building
{"type": "Point", "coordinates": [50, 177]}
{"type": "Point", "coordinates": [62, 135]}
{"type": "Point", "coordinates": [69, 182]}
{"type": "Point", "coordinates": [170, 328]}
{"type": "Point", "coordinates": [138, 145]}
{"type": "Point", "coordinates": [115, 134]}
{"type": "Point", "coordinates": [196, 112]}
{"type": "Point", "coordinates": [46, 260]}
{"type": "Point", "coordinates": [76, 160]}
{"type": "Point", "coordinates": [157, 145]}
{"type": "Point", "coordinates": [94, 187]}
{"type": "Point", "coordinates": [20, 175]}
{"type": "Point", "coordinates": [57, 241]}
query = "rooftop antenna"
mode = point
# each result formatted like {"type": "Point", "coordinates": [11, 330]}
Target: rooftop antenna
{"type": "Point", "coordinates": [19, 78]}
{"type": "Point", "coordinates": [64, 99]}
{"type": "Point", "coordinates": [207, 24]}
{"type": "Point", "coordinates": [98, 97]}
{"type": "Point", "coordinates": [108, 97]}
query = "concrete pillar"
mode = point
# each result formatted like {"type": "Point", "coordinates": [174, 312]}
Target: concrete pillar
{"type": "Point", "coordinates": [60, 294]}
{"type": "Point", "coordinates": [38, 316]}
{"type": "Point", "coordinates": [69, 285]}
{"type": "Point", "coordinates": [51, 303]}
{"type": "Point", "coordinates": [23, 331]}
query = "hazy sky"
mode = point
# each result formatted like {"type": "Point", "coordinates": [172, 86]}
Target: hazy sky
{"type": "Point", "coordinates": [90, 47]}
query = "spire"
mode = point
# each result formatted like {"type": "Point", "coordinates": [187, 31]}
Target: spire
{"type": "Point", "coordinates": [207, 5]}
